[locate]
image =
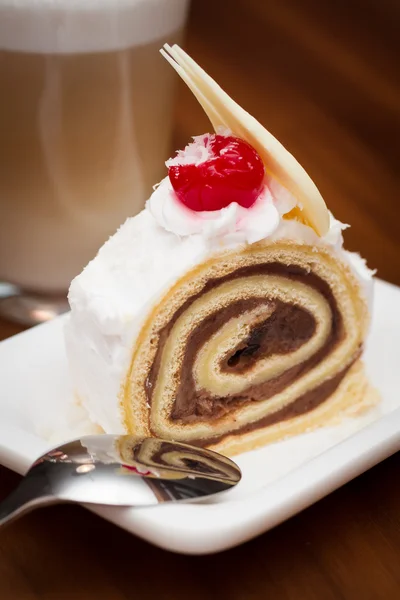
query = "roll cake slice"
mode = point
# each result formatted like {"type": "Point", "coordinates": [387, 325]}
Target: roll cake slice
{"type": "Point", "coordinates": [227, 313]}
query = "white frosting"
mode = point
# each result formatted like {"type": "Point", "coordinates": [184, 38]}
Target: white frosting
{"type": "Point", "coordinates": [99, 449]}
{"type": "Point", "coordinates": [228, 226]}
{"type": "Point", "coordinates": [77, 26]}
{"type": "Point", "coordinates": [225, 227]}
{"type": "Point", "coordinates": [112, 296]}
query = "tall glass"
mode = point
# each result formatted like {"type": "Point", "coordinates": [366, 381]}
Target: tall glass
{"type": "Point", "coordinates": [85, 120]}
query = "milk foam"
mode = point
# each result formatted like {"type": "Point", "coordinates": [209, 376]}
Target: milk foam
{"type": "Point", "coordinates": [82, 26]}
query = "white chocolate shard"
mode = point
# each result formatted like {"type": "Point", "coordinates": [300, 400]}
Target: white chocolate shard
{"type": "Point", "coordinates": [226, 113]}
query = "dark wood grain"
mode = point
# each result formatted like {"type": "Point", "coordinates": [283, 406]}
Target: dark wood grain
{"type": "Point", "coordinates": [347, 546]}
{"type": "Point", "coordinates": [323, 77]}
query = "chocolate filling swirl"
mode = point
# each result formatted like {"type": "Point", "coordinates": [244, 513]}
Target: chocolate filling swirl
{"type": "Point", "coordinates": [289, 327]}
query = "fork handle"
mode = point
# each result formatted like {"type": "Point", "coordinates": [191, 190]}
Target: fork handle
{"type": "Point", "coordinates": [25, 498]}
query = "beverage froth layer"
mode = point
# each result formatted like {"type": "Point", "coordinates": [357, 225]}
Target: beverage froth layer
{"type": "Point", "coordinates": [74, 26]}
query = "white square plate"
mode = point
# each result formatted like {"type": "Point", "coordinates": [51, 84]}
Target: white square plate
{"type": "Point", "coordinates": [278, 480]}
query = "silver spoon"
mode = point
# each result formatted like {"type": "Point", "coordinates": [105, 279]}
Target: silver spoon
{"type": "Point", "coordinates": [120, 471]}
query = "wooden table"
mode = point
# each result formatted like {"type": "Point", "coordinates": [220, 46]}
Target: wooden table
{"type": "Point", "coordinates": [322, 77]}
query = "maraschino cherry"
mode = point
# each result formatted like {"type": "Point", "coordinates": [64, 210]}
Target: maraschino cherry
{"type": "Point", "coordinates": [234, 172]}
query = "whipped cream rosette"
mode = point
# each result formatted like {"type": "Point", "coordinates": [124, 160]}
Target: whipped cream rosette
{"type": "Point", "coordinates": [227, 313]}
